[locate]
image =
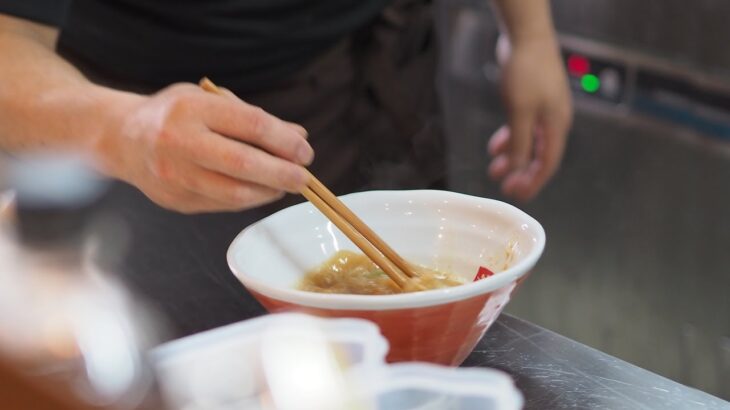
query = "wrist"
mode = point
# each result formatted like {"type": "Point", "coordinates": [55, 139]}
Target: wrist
{"type": "Point", "coordinates": [105, 128]}
{"type": "Point", "coordinates": [525, 22]}
{"type": "Point", "coordinates": [531, 38]}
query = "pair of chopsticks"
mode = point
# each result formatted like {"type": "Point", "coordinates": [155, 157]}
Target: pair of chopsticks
{"type": "Point", "coordinates": [346, 221]}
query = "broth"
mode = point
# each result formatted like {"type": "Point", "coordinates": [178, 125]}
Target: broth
{"type": "Point", "coordinates": [353, 273]}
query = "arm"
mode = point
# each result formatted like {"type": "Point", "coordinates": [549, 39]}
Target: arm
{"type": "Point", "coordinates": [35, 81]}
{"type": "Point", "coordinates": [184, 148]}
{"type": "Point", "coordinates": [527, 151]}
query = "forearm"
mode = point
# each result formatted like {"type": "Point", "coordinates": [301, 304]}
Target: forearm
{"type": "Point", "coordinates": [524, 21]}
{"type": "Point", "coordinates": [45, 102]}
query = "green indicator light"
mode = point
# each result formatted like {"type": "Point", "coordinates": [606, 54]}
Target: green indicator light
{"type": "Point", "coordinates": [590, 83]}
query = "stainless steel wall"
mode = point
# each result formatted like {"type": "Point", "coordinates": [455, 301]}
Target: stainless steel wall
{"type": "Point", "coordinates": [695, 33]}
{"type": "Point", "coordinates": [638, 219]}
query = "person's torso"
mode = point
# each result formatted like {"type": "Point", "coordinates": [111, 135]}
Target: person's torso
{"type": "Point", "coordinates": [245, 44]}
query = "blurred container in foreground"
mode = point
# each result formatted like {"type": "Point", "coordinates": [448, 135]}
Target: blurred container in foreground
{"type": "Point", "coordinates": [64, 321]}
{"type": "Point", "coordinates": [293, 361]}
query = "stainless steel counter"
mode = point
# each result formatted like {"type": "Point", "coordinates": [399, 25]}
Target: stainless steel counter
{"type": "Point", "coordinates": [555, 372]}
{"type": "Point", "coordinates": [178, 263]}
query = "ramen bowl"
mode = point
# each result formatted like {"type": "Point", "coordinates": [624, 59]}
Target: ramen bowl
{"type": "Point", "coordinates": [491, 245]}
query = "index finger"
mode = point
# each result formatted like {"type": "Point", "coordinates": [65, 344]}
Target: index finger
{"type": "Point", "coordinates": [548, 155]}
{"type": "Point", "coordinates": [522, 125]}
{"type": "Point", "coordinates": [239, 120]}
{"type": "Point", "coordinates": [208, 85]}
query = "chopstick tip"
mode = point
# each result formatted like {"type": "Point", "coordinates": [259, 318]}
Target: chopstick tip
{"type": "Point", "coordinates": [206, 84]}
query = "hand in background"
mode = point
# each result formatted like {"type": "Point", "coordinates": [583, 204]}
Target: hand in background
{"type": "Point", "coordinates": [528, 150]}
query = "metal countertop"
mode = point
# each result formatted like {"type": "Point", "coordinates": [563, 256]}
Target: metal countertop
{"type": "Point", "coordinates": [177, 262]}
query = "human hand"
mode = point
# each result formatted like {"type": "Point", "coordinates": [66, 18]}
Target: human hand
{"type": "Point", "coordinates": [192, 151]}
{"type": "Point", "coordinates": [527, 151]}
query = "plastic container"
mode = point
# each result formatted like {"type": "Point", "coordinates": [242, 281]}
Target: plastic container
{"type": "Point", "coordinates": [299, 362]}
{"type": "Point", "coordinates": [272, 362]}
{"type": "Point", "coordinates": [425, 386]}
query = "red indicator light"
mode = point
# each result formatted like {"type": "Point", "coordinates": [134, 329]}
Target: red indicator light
{"type": "Point", "coordinates": [578, 66]}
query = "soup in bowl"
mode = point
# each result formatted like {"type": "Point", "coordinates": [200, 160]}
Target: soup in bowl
{"type": "Point", "coordinates": [487, 245]}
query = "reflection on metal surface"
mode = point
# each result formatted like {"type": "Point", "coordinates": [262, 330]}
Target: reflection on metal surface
{"type": "Point", "coordinates": [561, 373]}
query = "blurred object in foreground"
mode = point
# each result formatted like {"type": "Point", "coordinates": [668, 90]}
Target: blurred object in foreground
{"type": "Point", "coordinates": [288, 361]}
{"type": "Point", "coordinates": [63, 321]}
{"type": "Point", "coordinates": [426, 386]}
{"type": "Point", "coordinates": [20, 392]}
{"type": "Point", "coordinates": [294, 361]}
{"type": "Point", "coordinates": [4, 163]}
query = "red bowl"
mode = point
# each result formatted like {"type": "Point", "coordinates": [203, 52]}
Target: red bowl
{"type": "Point", "coordinates": [448, 231]}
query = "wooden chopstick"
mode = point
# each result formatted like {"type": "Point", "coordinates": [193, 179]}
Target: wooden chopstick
{"type": "Point", "coordinates": [320, 189]}
{"type": "Point", "coordinates": [356, 237]}
{"type": "Point", "coordinates": [210, 86]}
{"type": "Point", "coordinates": [346, 221]}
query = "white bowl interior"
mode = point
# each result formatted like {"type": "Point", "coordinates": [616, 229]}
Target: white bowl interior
{"type": "Point", "coordinates": [443, 230]}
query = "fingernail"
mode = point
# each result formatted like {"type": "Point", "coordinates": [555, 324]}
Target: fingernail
{"type": "Point", "coordinates": [301, 130]}
{"type": "Point", "coordinates": [305, 154]}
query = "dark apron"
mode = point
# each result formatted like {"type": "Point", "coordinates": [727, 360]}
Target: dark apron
{"type": "Point", "coordinates": [369, 104]}
{"type": "Point", "coordinates": [370, 107]}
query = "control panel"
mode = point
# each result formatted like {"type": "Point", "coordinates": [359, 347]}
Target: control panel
{"type": "Point", "coordinates": [596, 77]}
{"type": "Point", "coordinates": [649, 87]}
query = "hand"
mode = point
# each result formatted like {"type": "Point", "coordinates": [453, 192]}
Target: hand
{"type": "Point", "coordinates": [192, 151]}
{"type": "Point", "coordinates": [527, 152]}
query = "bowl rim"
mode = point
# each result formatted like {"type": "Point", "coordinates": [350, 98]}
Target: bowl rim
{"type": "Point", "coordinates": [403, 300]}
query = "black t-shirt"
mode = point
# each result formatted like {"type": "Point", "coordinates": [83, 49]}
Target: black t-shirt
{"type": "Point", "coordinates": [244, 44]}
